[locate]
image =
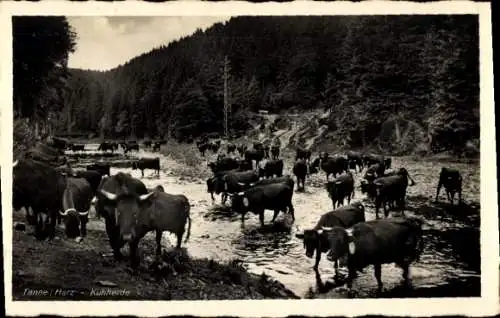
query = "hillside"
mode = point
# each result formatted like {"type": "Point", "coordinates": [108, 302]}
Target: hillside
{"type": "Point", "coordinates": [403, 84]}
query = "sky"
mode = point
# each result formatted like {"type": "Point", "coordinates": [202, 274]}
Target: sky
{"type": "Point", "coordinates": [106, 42]}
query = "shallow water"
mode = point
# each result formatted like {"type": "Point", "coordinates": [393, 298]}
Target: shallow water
{"type": "Point", "coordinates": [449, 265]}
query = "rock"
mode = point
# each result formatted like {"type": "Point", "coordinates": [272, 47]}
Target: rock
{"type": "Point", "coordinates": [205, 236]}
{"type": "Point", "coordinates": [106, 283]}
{"type": "Point", "coordinates": [19, 226]}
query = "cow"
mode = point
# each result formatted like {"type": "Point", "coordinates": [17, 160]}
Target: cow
{"type": "Point", "coordinates": [156, 146]}
{"type": "Point", "coordinates": [76, 203]}
{"type": "Point", "coordinates": [59, 143]}
{"type": "Point", "coordinates": [136, 215]}
{"type": "Point", "coordinates": [241, 150]}
{"type": "Point", "coordinates": [372, 159]}
{"type": "Point", "coordinates": [275, 152]}
{"type": "Point", "coordinates": [303, 154]}
{"type": "Point", "coordinates": [223, 164]}
{"type": "Point", "coordinates": [267, 150]}
{"type": "Point", "coordinates": [103, 168]}
{"type": "Point", "coordinates": [120, 184]}
{"type": "Point", "coordinates": [377, 242]}
{"type": "Point", "coordinates": [76, 147]}
{"type": "Point", "coordinates": [316, 240]}
{"type": "Point", "coordinates": [330, 165]}
{"type": "Point", "coordinates": [233, 182]}
{"type": "Point", "coordinates": [288, 180]}
{"type": "Point", "coordinates": [272, 168]}
{"type": "Point", "coordinates": [374, 171]}
{"type": "Point", "coordinates": [38, 186]}
{"type": "Point", "coordinates": [254, 154]}
{"type": "Point", "coordinates": [355, 161]}
{"type": "Point", "coordinates": [300, 171]}
{"type": "Point", "coordinates": [451, 180]}
{"type": "Point", "coordinates": [231, 148]}
{"type": "Point", "coordinates": [341, 188]}
{"type": "Point", "coordinates": [391, 188]}
{"type": "Point", "coordinates": [147, 163]}
{"type": "Point", "coordinates": [131, 145]}
{"type": "Point", "coordinates": [257, 199]}
{"type": "Point", "coordinates": [93, 178]}
{"type": "Point", "coordinates": [202, 148]}
{"type": "Point", "coordinates": [215, 183]}
{"type": "Point", "coordinates": [147, 143]}
{"type": "Point", "coordinates": [244, 165]}
{"type": "Point", "coordinates": [105, 146]}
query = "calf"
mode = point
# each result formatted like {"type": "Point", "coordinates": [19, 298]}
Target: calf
{"type": "Point", "coordinates": [155, 211]}
{"type": "Point", "coordinates": [275, 196]}
{"type": "Point", "coordinates": [223, 164]}
{"type": "Point", "coordinates": [355, 161]}
{"type": "Point", "coordinates": [275, 152]}
{"type": "Point", "coordinates": [302, 153]}
{"type": "Point", "coordinates": [341, 188]}
{"type": "Point", "coordinates": [377, 242]}
{"type": "Point", "coordinates": [147, 163]}
{"type": "Point", "coordinates": [300, 171]}
{"type": "Point", "coordinates": [316, 240]}
{"type": "Point", "coordinates": [272, 168]}
{"type": "Point", "coordinates": [76, 203]}
{"type": "Point", "coordinates": [452, 182]}
{"type": "Point", "coordinates": [391, 188]}
{"type": "Point", "coordinates": [102, 168]}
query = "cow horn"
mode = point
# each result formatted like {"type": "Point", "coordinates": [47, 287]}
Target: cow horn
{"type": "Point", "coordinates": [15, 163]}
{"type": "Point", "coordinates": [242, 184]}
{"type": "Point", "coordinates": [63, 213]}
{"type": "Point", "coordinates": [348, 232]}
{"type": "Point", "coordinates": [324, 228]}
{"type": "Point", "coordinates": [145, 196]}
{"type": "Point", "coordinates": [67, 211]}
{"type": "Point", "coordinates": [109, 195]}
{"type": "Point", "coordinates": [241, 193]}
{"type": "Point", "coordinates": [83, 213]}
{"type": "Point", "coordinates": [94, 200]}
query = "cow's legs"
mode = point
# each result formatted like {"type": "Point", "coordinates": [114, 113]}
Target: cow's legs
{"type": "Point", "coordinates": [114, 239]}
{"type": "Point", "coordinates": [291, 210]}
{"type": "Point", "coordinates": [438, 190]}
{"type": "Point", "coordinates": [261, 218]}
{"type": "Point", "coordinates": [134, 258]}
{"type": "Point", "coordinates": [242, 220]}
{"type": "Point", "coordinates": [378, 276]}
{"type": "Point", "coordinates": [377, 206]}
{"type": "Point", "coordinates": [276, 212]}
{"type": "Point", "coordinates": [386, 211]}
{"type": "Point", "coordinates": [350, 279]}
{"type": "Point", "coordinates": [336, 266]}
{"type": "Point", "coordinates": [158, 244]}
{"type": "Point", "coordinates": [459, 196]}
{"type": "Point", "coordinates": [318, 258]}
{"type": "Point", "coordinates": [179, 239]}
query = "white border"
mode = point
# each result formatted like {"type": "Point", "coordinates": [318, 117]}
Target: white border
{"type": "Point", "coordinates": [486, 305]}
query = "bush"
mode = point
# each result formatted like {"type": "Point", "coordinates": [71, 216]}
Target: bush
{"type": "Point", "coordinates": [24, 137]}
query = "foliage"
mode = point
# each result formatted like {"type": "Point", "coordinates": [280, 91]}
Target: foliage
{"type": "Point", "coordinates": [398, 82]}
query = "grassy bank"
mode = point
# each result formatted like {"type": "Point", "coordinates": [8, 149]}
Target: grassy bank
{"type": "Point", "coordinates": [63, 265]}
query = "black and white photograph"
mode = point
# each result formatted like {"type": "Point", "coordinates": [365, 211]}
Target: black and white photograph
{"type": "Point", "coordinates": [238, 155]}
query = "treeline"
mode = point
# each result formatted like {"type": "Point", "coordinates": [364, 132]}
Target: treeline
{"type": "Point", "coordinates": [378, 75]}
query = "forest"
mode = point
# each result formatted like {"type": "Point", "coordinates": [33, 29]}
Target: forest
{"type": "Point", "coordinates": [372, 74]}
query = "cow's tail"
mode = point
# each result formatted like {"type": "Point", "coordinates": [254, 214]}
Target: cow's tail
{"type": "Point", "coordinates": [187, 209]}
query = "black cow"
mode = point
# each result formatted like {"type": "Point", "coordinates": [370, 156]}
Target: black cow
{"type": "Point", "coordinates": [147, 143]}
{"type": "Point", "coordinates": [372, 159]}
{"type": "Point", "coordinates": [275, 152]}
{"type": "Point", "coordinates": [241, 150]}
{"type": "Point", "coordinates": [288, 180]}
{"type": "Point", "coordinates": [267, 151]}
{"type": "Point", "coordinates": [233, 182]}
{"type": "Point", "coordinates": [76, 203]}
{"type": "Point", "coordinates": [377, 242]}
{"type": "Point", "coordinates": [391, 188]}
{"type": "Point", "coordinates": [257, 199]}
{"type": "Point", "coordinates": [223, 164]}
{"type": "Point", "coordinates": [316, 240]}
{"type": "Point", "coordinates": [452, 182]}
{"type": "Point", "coordinates": [244, 165]}
{"type": "Point", "coordinates": [341, 188]}
{"type": "Point", "coordinates": [147, 163]}
{"type": "Point", "coordinates": [215, 183]}
{"type": "Point", "coordinates": [76, 147]}
{"type": "Point", "coordinates": [156, 146]}
{"type": "Point", "coordinates": [40, 187]}
{"type": "Point", "coordinates": [330, 165]}
{"type": "Point", "coordinates": [202, 147]}
{"type": "Point", "coordinates": [374, 171]}
{"type": "Point", "coordinates": [105, 146]}
{"type": "Point", "coordinates": [303, 154]}
{"type": "Point", "coordinates": [93, 177]}
{"type": "Point", "coordinates": [231, 148]}
{"type": "Point", "coordinates": [120, 184]}
{"type": "Point", "coordinates": [131, 145]}
{"type": "Point", "coordinates": [272, 168]}
{"type": "Point", "coordinates": [137, 214]}
{"type": "Point", "coordinates": [254, 154]}
{"type": "Point", "coordinates": [355, 161]}
{"type": "Point", "coordinates": [59, 143]}
{"type": "Point", "coordinates": [300, 171]}
{"type": "Point", "coordinates": [102, 168]}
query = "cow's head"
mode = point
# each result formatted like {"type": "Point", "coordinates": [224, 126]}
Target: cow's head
{"type": "Point", "coordinates": [339, 240]}
{"type": "Point", "coordinates": [404, 173]}
{"type": "Point", "coordinates": [211, 183]}
{"type": "Point", "coordinates": [74, 222]}
{"type": "Point", "coordinates": [240, 202]}
{"type": "Point", "coordinates": [159, 188]}
{"type": "Point", "coordinates": [127, 207]}
{"type": "Point", "coordinates": [314, 239]}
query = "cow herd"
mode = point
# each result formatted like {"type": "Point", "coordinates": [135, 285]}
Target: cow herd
{"type": "Point", "coordinates": [130, 210]}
